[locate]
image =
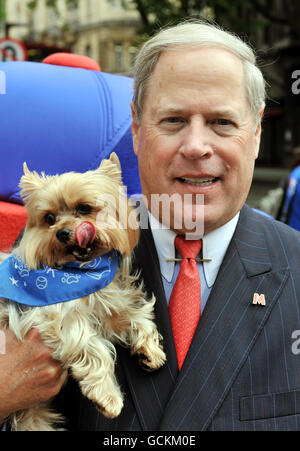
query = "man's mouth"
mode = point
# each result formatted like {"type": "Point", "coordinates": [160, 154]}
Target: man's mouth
{"type": "Point", "coordinates": [201, 181]}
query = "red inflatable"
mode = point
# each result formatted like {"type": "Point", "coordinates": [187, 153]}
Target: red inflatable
{"type": "Point", "coordinates": [72, 60]}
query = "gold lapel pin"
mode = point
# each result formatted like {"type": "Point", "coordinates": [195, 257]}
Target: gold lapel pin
{"type": "Point", "coordinates": [259, 299]}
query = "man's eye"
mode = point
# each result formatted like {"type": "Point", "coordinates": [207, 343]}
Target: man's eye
{"type": "Point", "coordinates": [83, 209]}
{"type": "Point", "coordinates": [222, 122]}
{"type": "Point", "coordinates": [50, 218]}
{"type": "Point", "coordinates": [173, 120]}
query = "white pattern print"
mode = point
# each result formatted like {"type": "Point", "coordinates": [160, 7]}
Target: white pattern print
{"type": "Point", "coordinates": [22, 269]}
{"type": "Point", "coordinates": [70, 278]}
{"type": "Point", "coordinates": [41, 282]}
{"type": "Point", "coordinates": [96, 275]}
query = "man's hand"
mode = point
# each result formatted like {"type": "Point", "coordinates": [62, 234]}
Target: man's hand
{"type": "Point", "coordinates": [28, 373]}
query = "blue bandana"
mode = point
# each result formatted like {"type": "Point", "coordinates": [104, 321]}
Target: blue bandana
{"type": "Point", "coordinates": [49, 286]}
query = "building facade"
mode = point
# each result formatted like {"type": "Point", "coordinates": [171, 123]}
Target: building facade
{"type": "Point", "coordinates": [105, 30]}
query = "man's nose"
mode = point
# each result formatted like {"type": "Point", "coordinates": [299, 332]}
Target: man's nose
{"type": "Point", "coordinates": [197, 141]}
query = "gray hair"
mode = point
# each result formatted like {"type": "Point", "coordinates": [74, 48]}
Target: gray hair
{"type": "Point", "coordinates": [197, 34]}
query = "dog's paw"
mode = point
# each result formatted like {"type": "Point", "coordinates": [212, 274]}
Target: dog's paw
{"type": "Point", "coordinates": [110, 406]}
{"type": "Point", "coordinates": [151, 356]}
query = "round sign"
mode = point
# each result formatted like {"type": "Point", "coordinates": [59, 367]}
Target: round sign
{"type": "Point", "coordinates": [12, 50]}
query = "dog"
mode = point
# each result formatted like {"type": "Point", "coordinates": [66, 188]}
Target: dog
{"type": "Point", "coordinates": [76, 223]}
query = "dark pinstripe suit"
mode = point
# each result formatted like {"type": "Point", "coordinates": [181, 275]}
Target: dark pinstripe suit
{"type": "Point", "coordinates": [240, 372]}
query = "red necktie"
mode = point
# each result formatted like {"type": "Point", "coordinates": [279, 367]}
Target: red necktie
{"type": "Point", "coordinates": [185, 299]}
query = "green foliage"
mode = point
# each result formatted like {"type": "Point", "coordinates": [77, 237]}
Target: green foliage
{"type": "Point", "coordinates": [157, 13]}
{"type": "Point", "coordinates": [241, 16]}
{"type": "Point", "coordinates": [32, 4]}
{"type": "Point", "coordinates": [2, 11]}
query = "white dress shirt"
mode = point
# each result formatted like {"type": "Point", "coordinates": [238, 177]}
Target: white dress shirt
{"type": "Point", "coordinates": [214, 247]}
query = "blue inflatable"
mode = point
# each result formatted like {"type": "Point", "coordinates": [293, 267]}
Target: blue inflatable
{"type": "Point", "coordinates": [61, 119]}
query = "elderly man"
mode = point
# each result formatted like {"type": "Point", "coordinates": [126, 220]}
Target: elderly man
{"type": "Point", "coordinates": [228, 299]}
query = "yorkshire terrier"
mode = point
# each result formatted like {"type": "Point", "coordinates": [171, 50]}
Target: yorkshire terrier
{"type": "Point", "coordinates": [81, 229]}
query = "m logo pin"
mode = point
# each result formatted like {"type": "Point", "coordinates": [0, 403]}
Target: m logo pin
{"type": "Point", "coordinates": [259, 299]}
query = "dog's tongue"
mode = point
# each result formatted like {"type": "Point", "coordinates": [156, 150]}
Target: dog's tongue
{"type": "Point", "coordinates": [85, 233]}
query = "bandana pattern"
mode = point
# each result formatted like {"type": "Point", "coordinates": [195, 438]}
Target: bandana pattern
{"type": "Point", "coordinates": [48, 286]}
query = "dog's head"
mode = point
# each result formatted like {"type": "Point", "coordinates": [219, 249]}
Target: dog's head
{"type": "Point", "coordinates": [76, 216]}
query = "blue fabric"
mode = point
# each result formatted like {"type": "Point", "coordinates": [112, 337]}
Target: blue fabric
{"type": "Point", "coordinates": [49, 286]}
{"type": "Point", "coordinates": [61, 119]}
{"type": "Point", "coordinates": [291, 207]}
{"type": "Point", "coordinates": [262, 213]}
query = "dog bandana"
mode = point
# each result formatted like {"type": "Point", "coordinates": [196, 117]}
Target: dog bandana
{"type": "Point", "coordinates": [48, 286]}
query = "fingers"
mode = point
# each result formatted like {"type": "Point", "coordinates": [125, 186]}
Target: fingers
{"type": "Point", "coordinates": [28, 372]}
{"type": "Point", "coordinates": [48, 375]}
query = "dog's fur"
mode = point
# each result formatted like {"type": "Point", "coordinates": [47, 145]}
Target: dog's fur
{"type": "Point", "coordinates": [81, 332]}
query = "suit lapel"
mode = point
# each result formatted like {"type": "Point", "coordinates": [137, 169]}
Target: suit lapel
{"type": "Point", "coordinates": [151, 391]}
{"type": "Point", "coordinates": [228, 328]}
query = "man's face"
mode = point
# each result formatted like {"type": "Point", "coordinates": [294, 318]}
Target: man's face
{"type": "Point", "coordinates": [197, 134]}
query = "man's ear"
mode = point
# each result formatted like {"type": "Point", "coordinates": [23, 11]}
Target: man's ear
{"type": "Point", "coordinates": [134, 129]}
{"type": "Point", "coordinates": [257, 134]}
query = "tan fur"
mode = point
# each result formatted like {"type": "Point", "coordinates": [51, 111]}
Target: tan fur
{"type": "Point", "coordinates": [82, 332]}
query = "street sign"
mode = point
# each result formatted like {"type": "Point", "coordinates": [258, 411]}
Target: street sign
{"type": "Point", "coordinates": [12, 50]}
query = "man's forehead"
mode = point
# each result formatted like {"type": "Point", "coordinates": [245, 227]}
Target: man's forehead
{"type": "Point", "coordinates": [198, 65]}
{"type": "Point", "coordinates": [204, 55]}
{"type": "Point", "coordinates": [194, 68]}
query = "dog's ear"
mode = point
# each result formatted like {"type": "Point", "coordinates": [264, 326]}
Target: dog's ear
{"type": "Point", "coordinates": [25, 168]}
{"type": "Point", "coordinates": [111, 167]}
{"type": "Point", "coordinates": [30, 182]}
{"type": "Point", "coordinates": [115, 159]}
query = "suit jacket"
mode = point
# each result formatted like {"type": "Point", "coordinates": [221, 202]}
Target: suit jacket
{"type": "Point", "coordinates": [242, 371]}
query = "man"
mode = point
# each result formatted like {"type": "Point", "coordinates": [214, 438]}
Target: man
{"type": "Point", "coordinates": [198, 104]}
{"type": "Point", "coordinates": [197, 110]}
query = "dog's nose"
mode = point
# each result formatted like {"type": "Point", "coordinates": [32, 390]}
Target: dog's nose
{"type": "Point", "coordinates": [64, 234]}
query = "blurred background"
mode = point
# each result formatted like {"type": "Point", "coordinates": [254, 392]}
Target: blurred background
{"type": "Point", "coordinates": [111, 31]}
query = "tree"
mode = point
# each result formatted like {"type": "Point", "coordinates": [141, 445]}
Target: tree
{"type": "Point", "coordinates": [241, 16]}
{"type": "Point", "coordinates": [32, 4]}
{"type": "Point", "coordinates": [233, 13]}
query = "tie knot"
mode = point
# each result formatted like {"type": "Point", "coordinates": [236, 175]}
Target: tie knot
{"type": "Point", "coordinates": [187, 248]}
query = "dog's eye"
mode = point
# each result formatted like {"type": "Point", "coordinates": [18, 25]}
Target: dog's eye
{"type": "Point", "coordinates": [50, 218]}
{"type": "Point", "coordinates": [83, 209]}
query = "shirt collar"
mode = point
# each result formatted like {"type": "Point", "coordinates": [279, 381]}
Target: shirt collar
{"type": "Point", "coordinates": [215, 245]}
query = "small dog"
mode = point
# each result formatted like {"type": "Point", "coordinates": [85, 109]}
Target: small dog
{"type": "Point", "coordinates": [67, 230]}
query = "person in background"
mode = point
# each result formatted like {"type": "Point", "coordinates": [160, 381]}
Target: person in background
{"type": "Point", "coordinates": [290, 210]}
